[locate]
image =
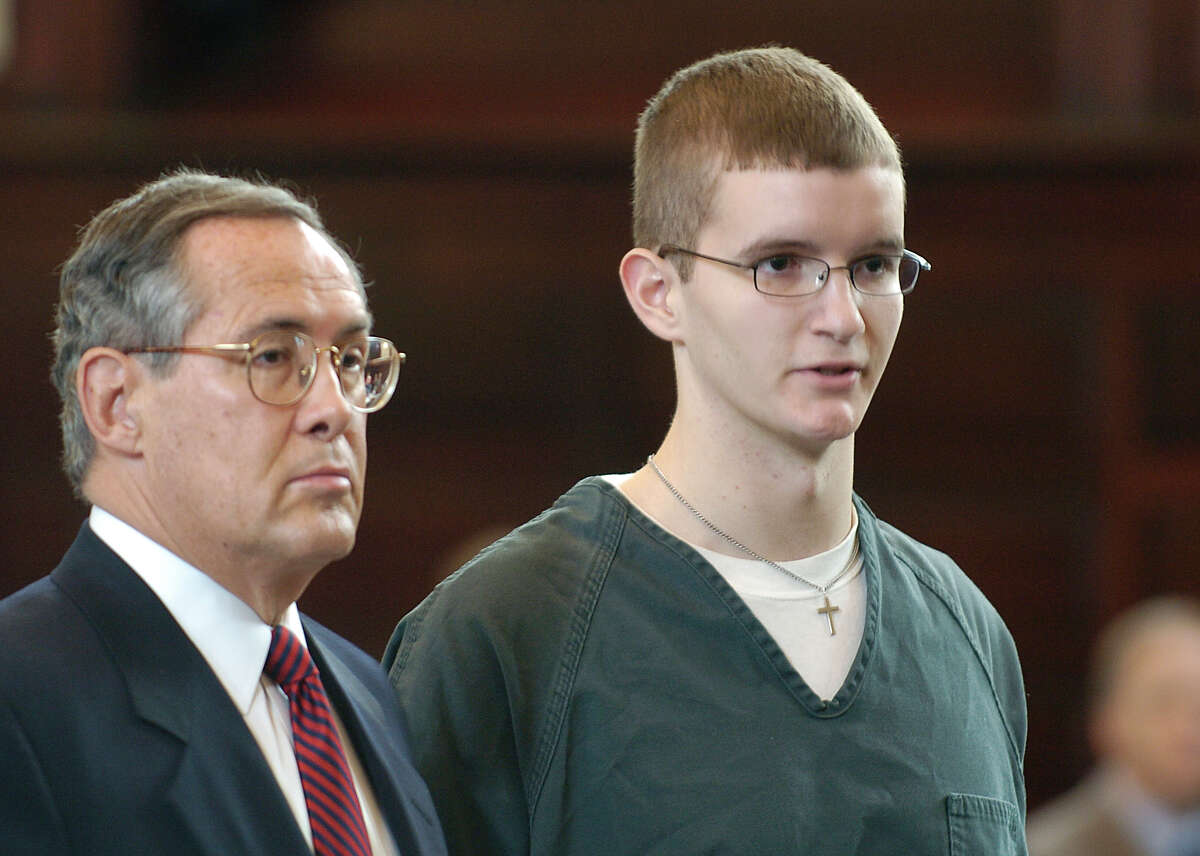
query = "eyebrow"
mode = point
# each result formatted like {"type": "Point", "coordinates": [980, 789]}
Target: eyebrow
{"type": "Point", "coordinates": [766, 246]}
{"type": "Point", "coordinates": [361, 325]}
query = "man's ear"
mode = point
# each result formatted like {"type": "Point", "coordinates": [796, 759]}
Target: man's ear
{"type": "Point", "coordinates": [104, 383]}
{"type": "Point", "coordinates": [650, 283]}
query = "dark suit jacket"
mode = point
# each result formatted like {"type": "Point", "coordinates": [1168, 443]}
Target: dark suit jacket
{"type": "Point", "coordinates": [117, 738]}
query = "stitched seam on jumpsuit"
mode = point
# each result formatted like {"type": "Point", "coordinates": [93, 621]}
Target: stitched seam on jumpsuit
{"type": "Point", "coordinates": [568, 666]}
{"type": "Point", "coordinates": [952, 605]}
{"type": "Point", "coordinates": [412, 633]}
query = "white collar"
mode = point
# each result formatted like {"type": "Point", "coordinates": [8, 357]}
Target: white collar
{"type": "Point", "coordinates": [1157, 828]}
{"type": "Point", "coordinates": [226, 631]}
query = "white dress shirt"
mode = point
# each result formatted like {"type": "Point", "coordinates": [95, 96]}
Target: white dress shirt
{"type": "Point", "coordinates": [1157, 828]}
{"type": "Point", "coordinates": [234, 641]}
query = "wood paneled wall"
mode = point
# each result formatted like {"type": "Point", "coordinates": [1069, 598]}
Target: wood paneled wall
{"type": "Point", "coordinates": [1039, 418]}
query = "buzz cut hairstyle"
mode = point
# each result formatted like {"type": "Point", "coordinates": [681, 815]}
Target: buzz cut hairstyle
{"type": "Point", "coordinates": [759, 108]}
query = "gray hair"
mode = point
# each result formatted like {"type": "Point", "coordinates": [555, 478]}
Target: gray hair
{"type": "Point", "coordinates": [125, 286]}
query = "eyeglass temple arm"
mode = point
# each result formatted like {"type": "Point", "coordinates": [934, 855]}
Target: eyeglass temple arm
{"type": "Point", "coordinates": [919, 260]}
{"type": "Point", "coordinates": [182, 349]}
{"type": "Point", "coordinates": [671, 248]}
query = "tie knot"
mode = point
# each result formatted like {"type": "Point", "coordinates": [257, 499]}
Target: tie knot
{"type": "Point", "coordinates": [288, 663]}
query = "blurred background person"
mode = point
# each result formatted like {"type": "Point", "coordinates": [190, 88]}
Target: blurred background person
{"type": "Point", "coordinates": [1143, 798]}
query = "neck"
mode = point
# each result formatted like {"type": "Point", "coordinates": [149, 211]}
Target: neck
{"type": "Point", "coordinates": [268, 594]}
{"type": "Point", "coordinates": [260, 581]}
{"type": "Point", "coordinates": [782, 504]}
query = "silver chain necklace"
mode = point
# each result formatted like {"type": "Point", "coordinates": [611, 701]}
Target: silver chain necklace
{"type": "Point", "coordinates": [827, 610]}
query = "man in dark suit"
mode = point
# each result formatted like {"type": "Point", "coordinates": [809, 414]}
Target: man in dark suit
{"type": "Point", "coordinates": [157, 693]}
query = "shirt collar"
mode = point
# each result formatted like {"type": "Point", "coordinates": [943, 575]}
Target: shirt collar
{"type": "Point", "coordinates": [225, 630]}
{"type": "Point", "coordinates": [1156, 827]}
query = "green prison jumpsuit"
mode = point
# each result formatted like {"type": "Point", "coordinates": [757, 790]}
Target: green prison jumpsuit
{"type": "Point", "coordinates": [590, 685]}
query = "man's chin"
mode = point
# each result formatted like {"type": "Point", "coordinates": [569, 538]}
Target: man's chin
{"type": "Point", "coordinates": [327, 537]}
{"type": "Point", "coordinates": [817, 438]}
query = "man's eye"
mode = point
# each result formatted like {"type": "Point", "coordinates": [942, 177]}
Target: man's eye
{"type": "Point", "coordinates": [354, 356]}
{"type": "Point", "coordinates": [777, 264]}
{"type": "Point", "coordinates": [876, 265]}
{"type": "Point", "coordinates": [271, 357]}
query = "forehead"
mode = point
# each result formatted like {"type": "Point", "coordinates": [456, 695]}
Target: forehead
{"type": "Point", "coordinates": [245, 268]}
{"type": "Point", "coordinates": [821, 207]}
{"type": "Point", "coordinates": [1170, 650]}
{"type": "Point", "coordinates": [1157, 660]}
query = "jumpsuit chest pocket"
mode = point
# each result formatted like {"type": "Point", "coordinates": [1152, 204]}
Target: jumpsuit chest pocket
{"type": "Point", "coordinates": [984, 826]}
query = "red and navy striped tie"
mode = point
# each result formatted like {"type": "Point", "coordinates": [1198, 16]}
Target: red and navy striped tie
{"type": "Point", "coordinates": [333, 811]}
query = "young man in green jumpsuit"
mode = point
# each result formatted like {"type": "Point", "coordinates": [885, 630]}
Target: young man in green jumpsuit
{"type": "Point", "coordinates": [726, 651]}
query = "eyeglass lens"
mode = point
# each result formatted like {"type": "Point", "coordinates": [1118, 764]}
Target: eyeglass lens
{"type": "Point", "coordinates": [283, 364]}
{"type": "Point", "coordinates": [789, 275]}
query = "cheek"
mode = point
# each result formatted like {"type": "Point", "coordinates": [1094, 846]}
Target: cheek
{"type": "Point", "coordinates": [356, 438]}
{"type": "Point", "coordinates": [885, 328]}
{"type": "Point", "coordinates": [246, 449]}
{"type": "Point", "coordinates": [358, 445]}
{"type": "Point", "coordinates": [205, 415]}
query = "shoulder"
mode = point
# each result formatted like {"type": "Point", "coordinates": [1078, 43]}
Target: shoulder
{"type": "Point", "coordinates": [530, 579]}
{"type": "Point", "coordinates": [46, 633]}
{"type": "Point", "coordinates": [940, 575]}
{"type": "Point", "coordinates": [21, 611]}
{"type": "Point", "coordinates": [31, 618]}
{"type": "Point", "coordinates": [1077, 823]}
{"type": "Point", "coordinates": [24, 614]}
{"type": "Point", "coordinates": [509, 625]}
{"type": "Point", "coordinates": [91, 615]}
{"type": "Point", "coordinates": [585, 520]}
{"type": "Point", "coordinates": [47, 642]}
{"type": "Point", "coordinates": [484, 665]}
{"type": "Point", "coordinates": [39, 633]}
{"type": "Point", "coordinates": [950, 592]}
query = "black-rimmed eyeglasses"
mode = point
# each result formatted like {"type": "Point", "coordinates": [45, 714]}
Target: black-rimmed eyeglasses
{"type": "Point", "coordinates": [281, 365]}
{"type": "Point", "coordinates": [792, 275]}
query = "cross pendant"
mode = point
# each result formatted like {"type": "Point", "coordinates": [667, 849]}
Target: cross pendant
{"type": "Point", "coordinates": [828, 610]}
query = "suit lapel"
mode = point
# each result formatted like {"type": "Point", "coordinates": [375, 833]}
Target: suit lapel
{"type": "Point", "coordinates": [224, 792]}
{"type": "Point", "coordinates": [379, 741]}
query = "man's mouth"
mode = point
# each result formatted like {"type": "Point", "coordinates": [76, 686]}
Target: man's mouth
{"type": "Point", "coordinates": [836, 369]}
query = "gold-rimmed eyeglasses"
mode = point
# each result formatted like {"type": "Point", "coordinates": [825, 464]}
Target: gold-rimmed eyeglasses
{"type": "Point", "coordinates": [281, 365]}
{"type": "Point", "coordinates": [792, 275]}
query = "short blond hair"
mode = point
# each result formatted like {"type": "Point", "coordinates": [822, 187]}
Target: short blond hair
{"type": "Point", "coordinates": [756, 108]}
